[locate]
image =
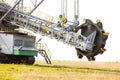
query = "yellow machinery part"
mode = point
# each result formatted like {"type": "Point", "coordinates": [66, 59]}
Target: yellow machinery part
{"type": "Point", "coordinates": [64, 20]}
{"type": "Point", "coordinates": [97, 21]}
{"type": "Point", "coordinates": [102, 49]}
{"type": "Point", "coordinates": [105, 33]}
{"type": "Point", "coordinates": [6, 29]}
{"type": "Point", "coordinates": [45, 30]}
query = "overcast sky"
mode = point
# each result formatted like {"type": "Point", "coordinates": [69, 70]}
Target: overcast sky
{"type": "Point", "coordinates": [105, 10]}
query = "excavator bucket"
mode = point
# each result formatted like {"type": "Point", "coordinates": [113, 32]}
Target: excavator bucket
{"type": "Point", "coordinates": [100, 40]}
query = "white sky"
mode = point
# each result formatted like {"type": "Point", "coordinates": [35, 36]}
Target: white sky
{"type": "Point", "coordinates": [105, 10]}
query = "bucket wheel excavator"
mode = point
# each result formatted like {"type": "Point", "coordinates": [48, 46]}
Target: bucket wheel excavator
{"type": "Point", "coordinates": [89, 38]}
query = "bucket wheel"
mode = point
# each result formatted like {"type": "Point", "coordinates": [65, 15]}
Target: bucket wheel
{"type": "Point", "coordinates": [100, 39]}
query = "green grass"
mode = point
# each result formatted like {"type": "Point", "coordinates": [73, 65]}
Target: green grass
{"type": "Point", "coordinates": [63, 71]}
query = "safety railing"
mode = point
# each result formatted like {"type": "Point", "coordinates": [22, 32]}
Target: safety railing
{"type": "Point", "coordinates": [44, 51]}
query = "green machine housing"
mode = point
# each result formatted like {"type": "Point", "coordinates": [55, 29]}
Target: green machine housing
{"type": "Point", "coordinates": [17, 47]}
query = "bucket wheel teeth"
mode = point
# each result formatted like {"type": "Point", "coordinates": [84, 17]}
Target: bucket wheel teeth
{"type": "Point", "coordinates": [80, 56]}
{"type": "Point", "coordinates": [91, 58]}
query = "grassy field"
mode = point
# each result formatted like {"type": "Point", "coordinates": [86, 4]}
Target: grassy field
{"type": "Point", "coordinates": [61, 70]}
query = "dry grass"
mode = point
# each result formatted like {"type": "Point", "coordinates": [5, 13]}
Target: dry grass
{"type": "Point", "coordinates": [61, 70]}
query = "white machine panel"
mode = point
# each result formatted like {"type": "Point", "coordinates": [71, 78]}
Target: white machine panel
{"type": "Point", "coordinates": [6, 43]}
